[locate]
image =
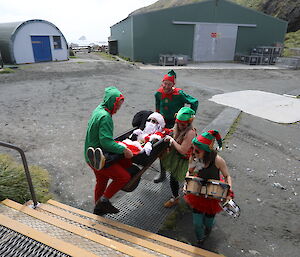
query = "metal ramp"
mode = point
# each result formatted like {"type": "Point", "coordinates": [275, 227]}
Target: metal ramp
{"type": "Point", "coordinates": [55, 229]}
{"type": "Point", "coordinates": [143, 208]}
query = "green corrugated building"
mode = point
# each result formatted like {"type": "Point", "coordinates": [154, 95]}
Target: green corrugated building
{"type": "Point", "coordinates": [212, 30]}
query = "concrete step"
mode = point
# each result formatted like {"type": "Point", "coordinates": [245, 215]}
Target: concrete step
{"type": "Point", "coordinates": [85, 231]}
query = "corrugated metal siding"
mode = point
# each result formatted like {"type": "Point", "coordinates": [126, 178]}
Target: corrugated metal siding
{"type": "Point", "coordinates": [6, 32]}
{"type": "Point", "coordinates": [268, 31]}
{"type": "Point", "coordinates": [122, 32]}
{"type": "Point", "coordinates": [154, 33]}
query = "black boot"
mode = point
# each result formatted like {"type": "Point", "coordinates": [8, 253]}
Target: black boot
{"type": "Point", "coordinates": [162, 175]}
{"type": "Point", "coordinates": [104, 207]}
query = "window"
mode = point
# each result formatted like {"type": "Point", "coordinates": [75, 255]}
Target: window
{"type": "Point", "coordinates": [56, 42]}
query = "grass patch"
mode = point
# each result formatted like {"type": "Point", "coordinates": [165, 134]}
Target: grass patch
{"type": "Point", "coordinates": [107, 56]}
{"type": "Point", "coordinates": [127, 59]}
{"type": "Point", "coordinates": [233, 127]}
{"type": "Point", "coordinates": [13, 182]}
{"type": "Point", "coordinates": [292, 40]}
{"type": "Point", "coordinates": [6, 70]}
{"type": "Point", "coordinates": [72, 57]}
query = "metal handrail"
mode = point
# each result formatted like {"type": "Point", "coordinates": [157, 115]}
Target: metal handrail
{"type": "Point", "coordinates": [29, 180]}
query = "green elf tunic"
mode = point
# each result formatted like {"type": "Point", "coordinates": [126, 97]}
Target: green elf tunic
{"type": "Point", "coordinates": [100, 126]}
{"type": "Point", "coordinates": [169, 104]}
{"type": "Point", "coordinates": [174, 161]}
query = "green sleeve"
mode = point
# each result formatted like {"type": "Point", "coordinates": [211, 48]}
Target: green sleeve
{"type": "Point", "coordinates": [157, 101]}
{"type": "Point", "coordinates": [106, 136]}
{"type": "Point", "coordinates": [190, 100]}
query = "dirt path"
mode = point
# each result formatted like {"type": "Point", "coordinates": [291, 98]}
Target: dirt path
{"type": "Point", "coordinates": [45, 108]}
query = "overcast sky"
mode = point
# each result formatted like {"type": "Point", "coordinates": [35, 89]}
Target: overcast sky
{"type": "Point", "coordinates": [89, 18]}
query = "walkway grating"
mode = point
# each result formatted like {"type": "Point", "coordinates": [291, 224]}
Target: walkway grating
{"type": "Point", "coordinates": [143, 208]}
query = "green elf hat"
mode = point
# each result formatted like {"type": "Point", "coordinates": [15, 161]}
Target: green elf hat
{"type": "Point", "coordinates": [206, 140]}
{"type": "Point", "coordinates": [185, 115]}
{"type": "Point", "coordinates": [171, 76]}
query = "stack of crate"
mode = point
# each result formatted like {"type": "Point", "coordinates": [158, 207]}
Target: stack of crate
{"type": "Point", "coordinates": [264, 55]}
{"type": "Point", "coordinates": [167, 60]}
{"type": "Point", "coordinates": [173, 60]}
{"type": "Point", "coordinates": [267, 54]}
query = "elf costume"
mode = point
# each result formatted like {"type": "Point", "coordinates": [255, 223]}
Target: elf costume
{"type": "Point", "coordinates": [174, 161]}
{"type": "Point", "coordinates": [169, 104]}
{"type": "Point", "coordinates": [204, 209]}
{"type": "Point", "coordinates": [99, 134]}
{"type": "Point", "coordinates": [100, 126]}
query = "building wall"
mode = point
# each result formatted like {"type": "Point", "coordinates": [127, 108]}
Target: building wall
{"type": "Point", "coordinates": [22, 46]}
{"type": "Point", "coordinates": [268, 31]}
{"type": "Point", "coordinates": [122, 32]}
{"type": "Point", "coordinates": [154, 33]}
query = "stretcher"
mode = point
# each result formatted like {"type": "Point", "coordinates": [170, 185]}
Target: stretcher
{"type": "Point", "coordinates": [140, 162]}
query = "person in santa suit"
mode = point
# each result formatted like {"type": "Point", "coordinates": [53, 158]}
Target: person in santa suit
{"type": "Point", "coordinates": [168, 101]}
{"type": "Point", "coordinates": [99, 135]}
{"type": "Point", "coordinates": [206, 163]}
{"type": "Point", "coordinates": [144, 139]}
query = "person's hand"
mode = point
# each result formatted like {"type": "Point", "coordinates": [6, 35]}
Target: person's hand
{"type": "Point", "coordinates": [219, 149]}
{"type": "Point", "coordinates": [127, 153]}
{"type": "Point", "coordinates": [148, 148]}
{"type": "Point", "coordinates": [137, 132]}
{"type": "Point", "coordinates": [230, 195]}
{"type": "Point", "coordinates": [170, 139]}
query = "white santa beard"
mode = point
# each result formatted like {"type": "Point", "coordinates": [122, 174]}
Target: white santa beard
{"type": "Point", "coordinates": [150, 128]}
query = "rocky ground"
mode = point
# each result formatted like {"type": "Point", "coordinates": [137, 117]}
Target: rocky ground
{"type": "Point", "coordinates": [45, 108]}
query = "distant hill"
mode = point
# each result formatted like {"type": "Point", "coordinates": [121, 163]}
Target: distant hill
{"type": "Point", "coordinates": [288, 10]}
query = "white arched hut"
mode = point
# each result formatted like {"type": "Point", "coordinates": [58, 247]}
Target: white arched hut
{"type": "Point", "coordinates": [32, 41]}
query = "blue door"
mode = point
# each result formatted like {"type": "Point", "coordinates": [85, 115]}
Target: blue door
{"type": "Point", "coordinates": [41, 48]}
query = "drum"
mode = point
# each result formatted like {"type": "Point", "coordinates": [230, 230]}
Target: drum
{"type": "Point", "coordinates": [216, 189]}
{"type": "Point", "coordinates": [193, 185]}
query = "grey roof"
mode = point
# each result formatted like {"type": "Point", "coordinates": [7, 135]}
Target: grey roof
{"type": "Point", "coordinates": [7, 31]}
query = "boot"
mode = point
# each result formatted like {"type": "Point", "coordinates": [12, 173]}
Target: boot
{"type": "Point", "coordinates": [91, 156]}
{"type": "Point", "coordinates": [104, 207]}
{"type": "Point", "coordinates": [172, 202]}
{"type": "Point", "coordinates": [99, 159]}
{"type": "Point", "coordinates": [207, 231]}
{"type": "Point", "coordinates": [162, 175]}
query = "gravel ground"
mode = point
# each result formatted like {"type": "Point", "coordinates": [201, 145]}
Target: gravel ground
{"type": "Point", "coordinates": [45, 108]}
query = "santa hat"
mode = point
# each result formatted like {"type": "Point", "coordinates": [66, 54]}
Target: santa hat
{"type": "Point", "coordinates": [206, 140]}
{"type": "Point", "coordinates": [171, 76]}
{"type": "Point", "coordinates": [185, 115]}
{"type": "Point", "coordinates": [159, 118]}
